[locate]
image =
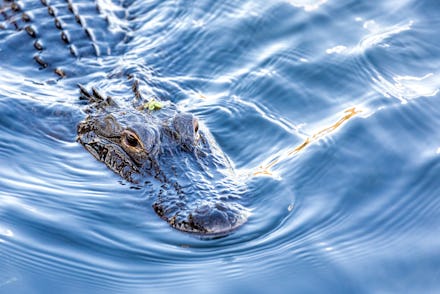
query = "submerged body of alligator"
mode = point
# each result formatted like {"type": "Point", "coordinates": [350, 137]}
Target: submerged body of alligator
{"type": "Point", "coordinates": [146, 141]}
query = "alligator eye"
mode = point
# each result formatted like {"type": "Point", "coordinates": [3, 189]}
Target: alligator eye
{"type": "Point", "coordinates": [131, 139]}
{"type": "Point", "coordinates": [196, 125]}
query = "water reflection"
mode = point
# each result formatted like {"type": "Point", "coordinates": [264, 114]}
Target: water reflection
{"type": "Point", "coordinates": [329, 110]}
{"type": "Point", "coordinates": [265, 169]}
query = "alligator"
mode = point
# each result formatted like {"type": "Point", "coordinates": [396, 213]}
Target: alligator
{"type": "Point", "coordinates": [148, 141]}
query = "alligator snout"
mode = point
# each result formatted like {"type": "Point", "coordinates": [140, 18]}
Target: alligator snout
{"type": "Point", "coordinates": [209, 219]}
{"type": "Point", "coordinates": [218, 219]}
{"type": "Point", "coordinates": [192, 179]}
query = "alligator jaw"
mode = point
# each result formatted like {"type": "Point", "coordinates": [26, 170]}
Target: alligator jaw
{"type": "Point", "coordinates": [208, 220]}
{"type": "Point", "coordinates": [197, 192]}
{"type": "Point", "coordinates": [109, 153]}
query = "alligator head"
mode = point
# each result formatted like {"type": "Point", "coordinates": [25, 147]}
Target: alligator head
{"type": "Point", "coordinates": [194, 184]}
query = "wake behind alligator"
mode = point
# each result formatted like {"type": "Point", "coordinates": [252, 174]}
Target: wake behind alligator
{"type": "Point", "coordinates": [148, 142]}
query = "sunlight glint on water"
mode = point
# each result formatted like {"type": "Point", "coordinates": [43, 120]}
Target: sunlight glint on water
{"type": "Point", "coordinates": [329, 110]}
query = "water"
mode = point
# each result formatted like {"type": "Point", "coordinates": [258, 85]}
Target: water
{"type": "Point", "coordinates": [329, 110]}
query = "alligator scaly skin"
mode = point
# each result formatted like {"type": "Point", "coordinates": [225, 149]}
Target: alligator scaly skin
{"type": "Point", "coordinates": [148, 142]}
{"type": "Point", "coordinates": [61, 32]}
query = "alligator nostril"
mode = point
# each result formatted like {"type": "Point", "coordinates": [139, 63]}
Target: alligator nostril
{"type": "Point", "coordinates": [202, 210]}
{"type": "Point", "coordinates": [205, 219]}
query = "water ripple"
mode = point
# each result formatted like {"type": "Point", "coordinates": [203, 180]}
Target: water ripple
{"type": "Point", "coordinates": [329, 111]}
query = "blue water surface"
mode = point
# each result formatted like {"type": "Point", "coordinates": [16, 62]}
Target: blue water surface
{"type": "Point", "coordinates": [329, 111]}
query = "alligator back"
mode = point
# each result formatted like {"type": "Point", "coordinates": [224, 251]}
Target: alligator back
{"type": "Point", "coordinates": [60, 36]}
{"type": "Point", "coordinates": [144, 139]}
